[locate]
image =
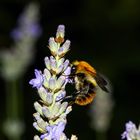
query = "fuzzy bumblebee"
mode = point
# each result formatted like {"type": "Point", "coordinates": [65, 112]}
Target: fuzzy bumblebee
{"type": "Point", "coordinates": [86, 80]}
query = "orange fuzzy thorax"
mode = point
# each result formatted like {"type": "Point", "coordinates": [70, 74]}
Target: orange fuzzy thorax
{"type": "Point", "coordinates": [85, 67]}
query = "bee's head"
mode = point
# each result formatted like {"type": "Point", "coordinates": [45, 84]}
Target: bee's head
{"type": "Point", "coordinates": [74, 66]}
{"type": "Point", "coordinates": [73, 69]}
{"type": "Point", "coordinates": [75, 63]}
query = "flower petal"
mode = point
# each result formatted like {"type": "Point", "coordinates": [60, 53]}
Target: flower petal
{"type": "Point", "coordinates": [52, 83]}
{"type": "Point", "coordinates": [36, 137]}
{"type": "Point", "coordinates": [47, 63]}
{"type": "Point", "coordinates": [66, 63]}
{"type": "Point", "coordinates": [60, 82]}
{"type": "Point", "coordinates": [40, 122]}
{"type": "Point", "coordinates": [38, 108]}
{"type": "Point", "coordinates": [55, 110]}
{"type": "Point", "coordinates": [35, 125]}
{"type": "Point", "coordinates": [46, 112]}
{"type": "Point", "coordinates": [53, 46]}
{"type": "Point", "coordinates": [47, 74]}
{"type": "Point", "coordinates": [49, 98]}
{"type": "Point", "coordinates": [60, 31]}
{"type": "Point", "coordinates": [42, 93]}
{"type": "Point", "coordinates": [67, 71]}
{"type": "Point", "coordinates": [60, 34]}
{"type": "Point", "coordinates": [63, 107]}
{"type": "Point", "coordinates": [53, 64]}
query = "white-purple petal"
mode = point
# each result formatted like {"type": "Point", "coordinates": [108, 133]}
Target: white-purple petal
{"type": "Point", "coordinates": [63, 107]}
{"type": "Point", "coordinates": [66, 63]}
{"type": "Point", "coordinates": [38, 108]}
{"type": "Point", "coordinates": [49, 98]}
{"type": "Point", "coordinates": [60, 51]}
{"type": "Point", "coordinates": [60, 82]}
{"type": "Point", "coordinates": [47, 74]}
{"type": "Point", "coordinates": [66, 46]}
{"type": "Point", "coordinates": [53, 64]}
{"type": "Point", "coordinates": [52, 83]}
{"type": "Point", "coordinates": [59, 69]}
{"type": "Point", "coordinates": [42, 124]}
{"type": "Point", "coordinates": [46, 112]}
{"type": "Point", "coordinates": [60, 31]}
{"type": "Point", "coordinates": [55, 109]}
{"type": "Point", "coordinates": [36, 137]}
{"type": "Point", "coordinates": [43, 93]}
{"type": "Point", "coordinates": [45, 136]}
{"type": "Point", "coordinates": [67, 71]}
{"type": "Point", "coordinates": [35, 125]}
{"type": "Point", "coordinates": [53, 46]}
{"type": "Point", "coordinates": [47, 63]}
{"type": "Point", "coordinates": [36, 116]}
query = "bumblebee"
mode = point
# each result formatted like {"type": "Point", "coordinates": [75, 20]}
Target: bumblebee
{"type": "Point", "coordinates": [86, 81]}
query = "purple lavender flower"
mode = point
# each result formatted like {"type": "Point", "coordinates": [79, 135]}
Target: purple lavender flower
{"type": "Point", "coordinates": [28, 25]}
{"type": "Point", "coordinates": [25, 35]}
{"type": "Point", "coordinates": [54, 132]}
{"type": "Point", "coordinates": [50, 118]}
{"type": "Point", "coordinates": [38, 81]}
{"type": "Point", "coordinates": [32, 30]}
{"type": "Point", "coordinates": [131, 132]}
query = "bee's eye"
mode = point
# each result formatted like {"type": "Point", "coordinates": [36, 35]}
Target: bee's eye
{"type": "Point", "coordinates": [73, 69]}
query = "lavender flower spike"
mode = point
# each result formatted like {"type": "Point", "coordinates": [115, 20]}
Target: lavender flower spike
{"type": "Point", "coordinates": [131, 132]}
{"type": "Point", "coordinates": [50, 116]}
{"type": "Point", "coordinates": [16, 60]}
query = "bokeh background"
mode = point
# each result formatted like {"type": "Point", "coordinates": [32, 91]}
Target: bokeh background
{"type": "Point", "coordinates": [104, 33]}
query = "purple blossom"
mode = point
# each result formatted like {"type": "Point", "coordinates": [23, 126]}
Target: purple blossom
{"type": "Point", "coordinates": [131, 131]}
{"type": "Point", "coordinates": [33, 30]}
{"type": "Point", "coordinates": [129, 128]}
{"type": "Point", "coordinates": [28, 26]}
{"type": "Point", "coordinates": [38, 81]}
{"type": "Point", "coordinates": [54, 131]}
{"type": "Point", "coordinates": [16, 34]}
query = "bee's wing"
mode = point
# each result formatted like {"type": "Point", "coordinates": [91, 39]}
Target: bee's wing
{"type": "Point", "coordinates": [101, 82]}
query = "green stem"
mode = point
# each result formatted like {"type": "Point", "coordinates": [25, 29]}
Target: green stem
{"type": "Point", "coordinates": [20, 98]}
{"type": "Point", "coordinates": [101, 136]}
{"type": "Point", "coordinates": [13, 107]}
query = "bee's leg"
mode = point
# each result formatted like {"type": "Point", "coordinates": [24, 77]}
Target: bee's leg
{"type": "Point", "coordinates": [71, 103]}
{"type": "Point", "coordinates": [71, 98]}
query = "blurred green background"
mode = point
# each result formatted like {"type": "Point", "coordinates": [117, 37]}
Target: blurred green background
{"type": "Point", "coordinates": [104, 33]}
